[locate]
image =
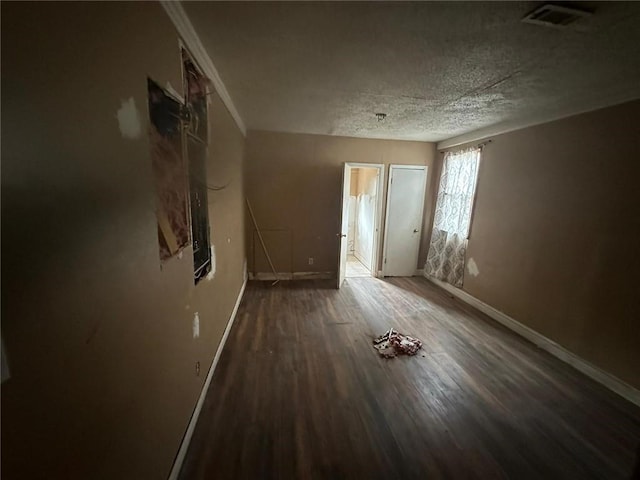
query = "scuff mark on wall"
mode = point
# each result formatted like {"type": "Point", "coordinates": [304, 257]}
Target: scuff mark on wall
{"type": "Point", "coordinates": [211, 275]}
{"type": "Point", "coordinates": [472, 268]}
{"type": "Point", "coordinates": [129, 119]}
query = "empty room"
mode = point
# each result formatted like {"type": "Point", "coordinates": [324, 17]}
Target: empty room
{"type": "Point", "coordinates": [320, 240]}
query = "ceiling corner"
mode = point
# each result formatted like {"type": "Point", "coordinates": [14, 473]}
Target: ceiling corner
{"type": "Point", "coordinates": [191, 40]}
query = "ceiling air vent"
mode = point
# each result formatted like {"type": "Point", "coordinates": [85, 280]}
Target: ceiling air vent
{"type": "Point", "coordinates": [555, 16]}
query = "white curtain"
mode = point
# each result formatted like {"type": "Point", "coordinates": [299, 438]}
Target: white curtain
{"type": "Point", "coordinates": [445, 260]}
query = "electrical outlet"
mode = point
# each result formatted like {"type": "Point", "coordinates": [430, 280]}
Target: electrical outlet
{"type": "Point", "coordinates": [310, 260]}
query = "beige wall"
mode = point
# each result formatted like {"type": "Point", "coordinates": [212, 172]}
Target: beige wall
{"type": "Point", "coordinates": [98, 337]}
{"type": "Point", "coordinates": [555, 234]}
{"type": "Point", "coordinates": [294, 182]}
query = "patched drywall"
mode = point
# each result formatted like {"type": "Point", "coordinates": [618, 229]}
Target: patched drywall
{"type": "Point", "coordinates": [196, 325]}
{"type": "Point", "coordinates": [129, 119]}
{"type": "Point", "coordinates": [472, 268]}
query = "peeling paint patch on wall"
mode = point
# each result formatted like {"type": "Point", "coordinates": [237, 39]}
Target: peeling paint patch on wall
{"type": "Point", "coordinates": [472, 268]}
{"type": "Point", "coordinates": [129, 119]}
{"type": "Point", "coordinates": [196, 325]}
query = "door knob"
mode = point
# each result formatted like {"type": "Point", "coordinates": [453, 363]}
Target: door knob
{"type": "Point", "coordinates": [341, 235]}
{"type": "Point", "coordinates": [415, 230]}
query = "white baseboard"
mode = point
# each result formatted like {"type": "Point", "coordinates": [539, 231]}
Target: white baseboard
{"type": "Point", "coordinates": [314, 275]}
{"type": "Point", "coordinates": [417, 273]}
{"type": "Point", "coordinates": [611, 382]}
{"type": "Point", "coordinates": [186, 440]}
{"type": "Point", "coordinates": [359, 257]}
{"type": "Point", "coordinates": [293, 276]}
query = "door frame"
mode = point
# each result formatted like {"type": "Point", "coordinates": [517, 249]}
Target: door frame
{"type": "Point", "coordinates": [388, 199]}
{"type": "Point", "coordinates": [377, 236]}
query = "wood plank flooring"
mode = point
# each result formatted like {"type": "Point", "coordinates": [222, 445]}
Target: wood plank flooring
{"type": "Point", "coordinates": [300, 393]}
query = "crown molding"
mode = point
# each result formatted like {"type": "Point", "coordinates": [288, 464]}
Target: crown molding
{"type": "Point", "coordinates": [191, 40]}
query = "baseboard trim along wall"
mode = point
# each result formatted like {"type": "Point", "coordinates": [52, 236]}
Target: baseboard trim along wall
{"type": "Point", "coordinates": [292, 276]}
{"type": "Point", "coordinates": [359, 256]}
{"type": "Point", "coordinates": [418, 273]}
{"type": "Point", "coordinates": [186, 440]}
{"type": "Point", "coordinates": [612, 383]}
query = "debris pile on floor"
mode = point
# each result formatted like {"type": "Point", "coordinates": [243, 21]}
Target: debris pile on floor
{"type": "Point", "coordinates": [392, 343]}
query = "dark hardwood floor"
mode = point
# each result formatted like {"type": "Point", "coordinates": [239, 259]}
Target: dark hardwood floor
{"type": "Point", "coordinates": [300, 393]}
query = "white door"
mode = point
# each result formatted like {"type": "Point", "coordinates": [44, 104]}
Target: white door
{"type": "Point", "coordinates": [405, 202]}
{"type": "Point", "coordinates": [344, 222]}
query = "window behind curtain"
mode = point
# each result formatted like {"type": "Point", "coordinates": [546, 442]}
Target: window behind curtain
{"type": "Point", "coordinates": [457, 190]}
{"type": "Point", "coordinates": [452, 220]}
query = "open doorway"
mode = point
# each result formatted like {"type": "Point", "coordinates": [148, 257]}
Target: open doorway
{"type": "Point", "coordinates": [362, 209]}
{"type": "Point", "coordinates": [361, 232]}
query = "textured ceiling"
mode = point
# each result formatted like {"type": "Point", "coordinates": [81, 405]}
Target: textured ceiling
{"type": "Point", "coordinates": [436, 69]}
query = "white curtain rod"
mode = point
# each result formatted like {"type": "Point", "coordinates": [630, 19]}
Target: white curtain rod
{"type": "Point", "coordinates": [479, 145]}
